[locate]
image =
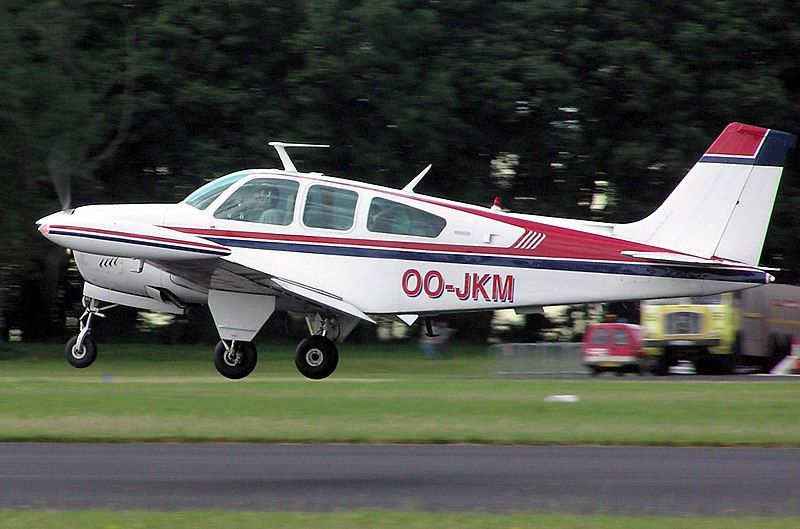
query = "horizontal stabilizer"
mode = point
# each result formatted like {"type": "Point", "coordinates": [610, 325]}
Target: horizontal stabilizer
{"type": "Point", "coordinates": [666, 257]}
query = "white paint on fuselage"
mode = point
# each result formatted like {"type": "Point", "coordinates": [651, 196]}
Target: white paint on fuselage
{"type": "Point", "coordinates": [375, 285]}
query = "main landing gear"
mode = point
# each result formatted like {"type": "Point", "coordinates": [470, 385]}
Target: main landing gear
{"type": "Point", "coordinates": [316, 357]}
{"type": "Point", "coordinates": [234, 359]}
{"type": "Point", "coordinates": [81, 349]}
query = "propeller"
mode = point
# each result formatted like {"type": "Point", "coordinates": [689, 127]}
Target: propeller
{"type": "Point", "coordinates": [61, 182]}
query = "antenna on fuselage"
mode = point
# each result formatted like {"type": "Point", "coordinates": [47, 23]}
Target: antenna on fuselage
{"type": "Point", "coordinates": [288, 165]}
{"type": "Point", "coordinates": [409, 187]}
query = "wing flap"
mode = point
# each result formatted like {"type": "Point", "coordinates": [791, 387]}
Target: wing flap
{"type": "Point", "coordinates": [322, 297]}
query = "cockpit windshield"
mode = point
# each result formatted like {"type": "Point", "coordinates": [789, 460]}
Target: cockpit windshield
{"type": "Point", "coordinates": [204, 196]}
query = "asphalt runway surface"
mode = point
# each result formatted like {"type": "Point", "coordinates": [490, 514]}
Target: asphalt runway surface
{"type": "Point", "coordinates": [607, 480]}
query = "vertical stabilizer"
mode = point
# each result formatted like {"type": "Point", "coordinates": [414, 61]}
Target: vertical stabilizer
{"type": "Point", "coordinates": [722, 206]}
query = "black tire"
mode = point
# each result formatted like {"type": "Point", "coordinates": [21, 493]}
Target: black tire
{"type": "Point", "coordinates": [726, 364]}
{"type": "Point", "coordinates": [84, 357]}
{"type": "Point", "coordinates": [661, 366]}
{"type": "Point", "coordinates": [703, 365]}
{"type": "Point", "coordinates": [238, 363]}
{"type": "Point", "coordinates": [316, 357]}
{"type": "Point", "coordinates": [595, 371]}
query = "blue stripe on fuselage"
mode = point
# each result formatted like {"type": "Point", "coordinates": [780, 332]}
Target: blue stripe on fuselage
{"type": "Point", "coordinates": [598, 267]}
{"type": "Point", "coordinates": [138, 242]}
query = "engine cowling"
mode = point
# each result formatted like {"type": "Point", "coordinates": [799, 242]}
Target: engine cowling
{"type": "Point", "coordinates": [135, 277]}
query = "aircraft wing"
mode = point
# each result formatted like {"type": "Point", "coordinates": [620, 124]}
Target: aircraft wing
{"type": "Point", "coordinates": [228, 274]}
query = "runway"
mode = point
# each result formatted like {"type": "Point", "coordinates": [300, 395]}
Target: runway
{"type": "Point", "coordinates": [608, 480]}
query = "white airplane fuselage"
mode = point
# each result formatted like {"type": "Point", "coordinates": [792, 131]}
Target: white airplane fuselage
{"type": "Point", "coordinates": [482, 260]}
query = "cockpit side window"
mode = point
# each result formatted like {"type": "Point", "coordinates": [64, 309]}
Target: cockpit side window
{"type": "Point", "coordinates": [330, 207]}
{"type": "Point", "coordinates": [263, 200]}
{"type": "Point", "coordinates": [386, 216]}
{"type": "Point", "coordinates": [204, 196]}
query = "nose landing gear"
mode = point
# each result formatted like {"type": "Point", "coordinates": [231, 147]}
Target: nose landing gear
{"type": "Point", "coordinates": [81, 349]}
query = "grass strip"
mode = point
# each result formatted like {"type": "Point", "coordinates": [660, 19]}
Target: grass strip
{"type": "Point", "coordinates": [43, 519]}
{"type": "Point", "coordinates": [127, 396]}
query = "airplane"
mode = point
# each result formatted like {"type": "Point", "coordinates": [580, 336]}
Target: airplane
{"type": "Point", "coordinates": [340, 251]}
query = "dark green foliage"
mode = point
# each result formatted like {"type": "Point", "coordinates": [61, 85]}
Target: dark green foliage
{"type": "Point", "coordinates": [144, 101]}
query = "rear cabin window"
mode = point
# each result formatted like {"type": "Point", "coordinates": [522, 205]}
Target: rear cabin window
{"type": "Point", "coordinates": [263, 200]}
{"type": "Point", "coordinates": [330, 207]}
{"type": "Point", "coordinates": [386, 216]}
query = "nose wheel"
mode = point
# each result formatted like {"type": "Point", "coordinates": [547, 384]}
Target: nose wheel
{"type": "Point", "coordinates": [316, 357]}
{"type": "Point", "coordinates": [235, 360]}
{"type": "Point", "coordinates": [81, 349]}
{"type": "Point", "coordinates": [81, 355]}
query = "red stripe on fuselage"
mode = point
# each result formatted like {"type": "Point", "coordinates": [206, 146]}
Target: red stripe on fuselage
{"type": "Point", "coordinates": [99, 231]}
{"type": "Point", "coordinates": [567, 244]}
{"type": "Point", "coordinates": [561, 242]}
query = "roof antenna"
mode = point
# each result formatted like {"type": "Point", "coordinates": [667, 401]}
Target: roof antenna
{"type": "Point", "coordinates": [284, 156]}
{"type": "Point", "coordinates": [409, 187]}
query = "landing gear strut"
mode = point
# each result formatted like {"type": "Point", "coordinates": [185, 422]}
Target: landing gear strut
{"type": "Point", "coordinates": [234, 359]}
{"type": "Point", "coordinates": [81, 349]}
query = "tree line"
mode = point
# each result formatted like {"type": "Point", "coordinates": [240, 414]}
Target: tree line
{"type": "Point", "coordinates": [547, 104]}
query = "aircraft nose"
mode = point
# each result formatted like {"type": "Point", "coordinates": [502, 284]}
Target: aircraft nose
{"type": "Point", "coordinates": [53, 217]}
{"type": "Point", "coordinates": [44, 223]}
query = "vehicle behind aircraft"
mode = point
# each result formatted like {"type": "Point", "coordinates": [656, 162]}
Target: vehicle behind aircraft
{"type": "Point", "coordinates": [722, 333]}
{"type": "Point", "coordinates": [615, 347]}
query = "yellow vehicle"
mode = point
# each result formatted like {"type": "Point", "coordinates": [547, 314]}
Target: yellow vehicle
{"type": "Point", "coordinates": [753, 328]}
{"type": "Point", "coordinates": [701, 329]}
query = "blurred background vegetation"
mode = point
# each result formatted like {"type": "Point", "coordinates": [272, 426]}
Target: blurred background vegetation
{"type": "Point", "coordinates": [591, 109]}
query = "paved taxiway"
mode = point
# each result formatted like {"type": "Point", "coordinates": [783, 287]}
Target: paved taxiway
{"type": "Point", "coordinates": [715, 481]}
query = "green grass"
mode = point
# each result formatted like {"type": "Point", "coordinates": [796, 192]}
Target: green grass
{"type": "Point", "coordinates": [368, 519]}
{"type": "Point", "coordinates": [150, 393]}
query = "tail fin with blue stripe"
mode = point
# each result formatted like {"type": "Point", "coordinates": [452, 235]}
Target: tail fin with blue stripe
{"type": "Point", "coordinates": [721, 208]}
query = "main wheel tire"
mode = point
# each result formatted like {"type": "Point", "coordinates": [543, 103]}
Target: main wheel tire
{"type": "Point", "coordinates": [81, 357]}
{"type": "Point", "coordinates": [316, 357]}
{"type": "Point", "coordinates": [236, 363]}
